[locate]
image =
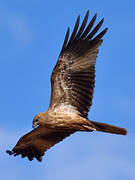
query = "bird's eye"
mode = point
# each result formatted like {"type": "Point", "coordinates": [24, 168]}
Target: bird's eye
{"type": "Point", "coordinates": [36, 120]}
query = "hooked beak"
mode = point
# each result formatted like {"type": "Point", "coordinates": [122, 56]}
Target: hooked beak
{"type": "Point", "coordinates": [34, 125]}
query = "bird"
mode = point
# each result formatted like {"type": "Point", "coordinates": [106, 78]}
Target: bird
{"type": "Point", "coordinates": [72, 88]}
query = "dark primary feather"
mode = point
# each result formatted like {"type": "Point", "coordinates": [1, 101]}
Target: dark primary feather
{"type": "Point", "coordinates": [35, 143]}
{"type": "Point", "coordinates": [89, 27]}
{"type": "Point", "coordinates": [73, 77]}
{"type": "Point", "coordinates": [95, 30]}
{"type": "Point", "coordinates": [82, 26]}
{"type": "Point", "coordinates": [73, 35]}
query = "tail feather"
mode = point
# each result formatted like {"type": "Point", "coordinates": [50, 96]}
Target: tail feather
{"type": "Point", "coordinates": [109, 128]}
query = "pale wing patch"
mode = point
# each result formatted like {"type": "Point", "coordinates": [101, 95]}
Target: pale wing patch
{"type": "Point", "coordinates": [65, 109]}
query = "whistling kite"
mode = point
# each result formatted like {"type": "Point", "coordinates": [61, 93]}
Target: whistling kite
{"type": "Point", "coordinates": [72, 83]}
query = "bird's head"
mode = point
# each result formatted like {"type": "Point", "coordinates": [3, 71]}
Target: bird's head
{"type": "Point", "coordinates": [38, 119]}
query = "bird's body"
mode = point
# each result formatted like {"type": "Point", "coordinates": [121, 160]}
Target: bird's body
{"type": "Point", "coordinates": [72, 87]}
{"type": "Point", "coordinates": [64, 120]}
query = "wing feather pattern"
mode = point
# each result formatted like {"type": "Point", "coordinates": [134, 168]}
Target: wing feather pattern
{"type": "Point", "coordinates": [35, 143]}
{"type": "Point", "coordinates": [73, 78]}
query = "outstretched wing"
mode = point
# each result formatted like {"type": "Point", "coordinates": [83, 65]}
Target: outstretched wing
{"type": "Point", "coordinates": [73, 78]}
{"type": "Point", "coordinates": [35, 143]}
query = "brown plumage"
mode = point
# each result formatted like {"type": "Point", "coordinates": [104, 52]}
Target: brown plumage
{"type": "Point", "coordinates": [72, 83]}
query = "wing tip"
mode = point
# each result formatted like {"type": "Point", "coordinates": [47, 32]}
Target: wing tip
{"type": "Point", "coordinates": [30, 158]}
{"type": "Point", "coordinates": [40, 159]}
{"type": "Point", "coordinates": [106, 29]}
{"type": "Point", "coordinates": [84, 31]}
{"type": "Point", "coordinates": [9, 152]}
{"type": "Point", "coordinates": [88, 12]}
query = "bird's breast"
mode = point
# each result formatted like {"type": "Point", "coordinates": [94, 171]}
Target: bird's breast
{"type": "Point", "coordinates": [64, 120]}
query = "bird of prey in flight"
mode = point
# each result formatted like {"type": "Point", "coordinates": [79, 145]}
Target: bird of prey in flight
{"type": "Point", "coordinates": [72, 87]}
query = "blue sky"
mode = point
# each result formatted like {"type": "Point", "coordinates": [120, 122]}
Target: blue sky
{"type": "Point", "coordinates": [32, 33]}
